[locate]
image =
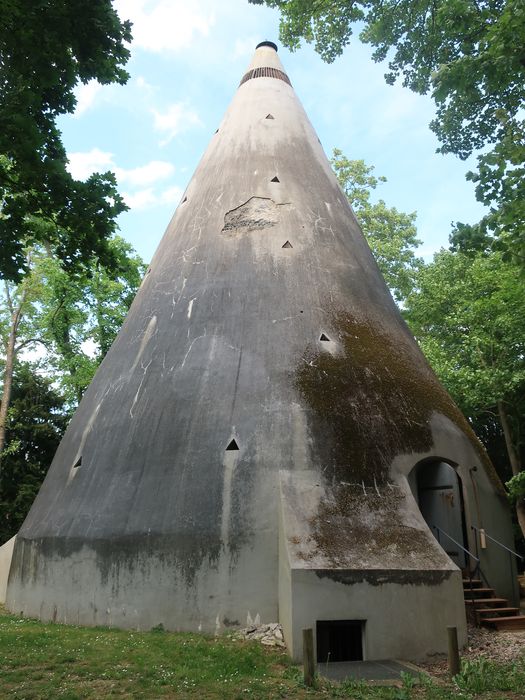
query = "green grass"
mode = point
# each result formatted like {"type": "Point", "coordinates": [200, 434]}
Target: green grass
{"type": "Point", "coordinates": [56, 661]}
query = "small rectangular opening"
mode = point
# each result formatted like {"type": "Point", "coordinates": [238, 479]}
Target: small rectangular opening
{"type": "Point", "coordinates": [339, 640]}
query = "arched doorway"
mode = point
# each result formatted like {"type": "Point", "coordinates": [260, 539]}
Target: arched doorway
{"type": "Point", "coordinates": [437, 489]}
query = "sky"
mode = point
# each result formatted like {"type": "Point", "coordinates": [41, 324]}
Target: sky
{"type": "Point", "coordinates": [186, 63]}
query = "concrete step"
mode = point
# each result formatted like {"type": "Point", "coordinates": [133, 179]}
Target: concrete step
{"type": "Point", "coordinates": [516, 622]}
{"type": "Point", "coordinates": [500, 611]}
{"type": "Point", "coordinates": [487, 602]}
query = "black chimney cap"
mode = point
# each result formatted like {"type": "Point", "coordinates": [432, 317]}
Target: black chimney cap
{"type": "Point", "coordinates": [267, 43]}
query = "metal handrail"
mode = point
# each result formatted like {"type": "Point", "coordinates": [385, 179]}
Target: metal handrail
{"type": "Point", "coordinates": [500, 544]}
{"type": "Point", "coordinates": [455, 542]}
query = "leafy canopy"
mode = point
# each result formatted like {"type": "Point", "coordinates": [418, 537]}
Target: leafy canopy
{"type": "Point", "coordinates": [37, 420]}
{"type": "Point", "coordinates": [391, 234]}
{"type": "Point", "coordinates": [46, 48]}
{"type": "Point", "coordinates": [74, 317]}
{"type": "Point", "coordinates": [468, 314]}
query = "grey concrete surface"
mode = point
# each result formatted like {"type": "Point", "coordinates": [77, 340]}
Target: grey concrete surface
{"type": "Point", "coordinates": [381, 670]}
{"type": "Point", "coordinates": [263, 319]}
{"type": "Point", "coordinates": [6, 555]}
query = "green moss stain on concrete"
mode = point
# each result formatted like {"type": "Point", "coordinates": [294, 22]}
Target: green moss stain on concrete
{"type": "Point", "coordinates": [372, 400]}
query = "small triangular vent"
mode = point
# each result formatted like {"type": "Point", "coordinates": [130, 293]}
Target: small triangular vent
{"type": "Point", "coordinates": [78, 463]}
{"type": "Point", "coordinates": [275, 179]}
{"type": "Point", "coordinates": [270, 116]}
{"type": "Point", "coordinates": [287, 245]}
{"type": "Point", "coordinates": [232, 446]}
{"type": "Point", "coordinates": [324, 338]}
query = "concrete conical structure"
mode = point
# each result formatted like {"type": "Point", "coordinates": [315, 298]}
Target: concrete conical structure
{"type": "Point", "coordinates": [247, 448]}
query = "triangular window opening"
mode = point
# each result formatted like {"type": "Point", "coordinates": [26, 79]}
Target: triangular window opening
{"type": "Point", "coordinates": [287, 245]}
{"type": "Point", "coordinates": [78, 463]}
{"type": "Point", "coordinates": [270, 116]}
{"type": "Point", "coordinates": [232, 446]}
{"type": "Point", "coordinates": [324, 338]}
{"type": "Point", "coordinates": [275, 179]}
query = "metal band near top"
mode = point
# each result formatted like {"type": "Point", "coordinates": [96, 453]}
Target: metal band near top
{"type": "Point", "coordinates": [265, 72]}
{"type": "Point", "coordinates": [269, 44]}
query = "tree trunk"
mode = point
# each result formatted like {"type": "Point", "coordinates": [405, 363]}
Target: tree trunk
{"type": "Point", "coordinates": [511, 451]}
{"type": "Point", "coordinates": [16, 316]}
{"type": "Point", "coordinates": [514, 460]}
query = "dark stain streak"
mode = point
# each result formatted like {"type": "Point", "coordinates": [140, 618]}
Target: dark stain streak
{"type": "Point", "coordinates": [378, 577]}
{"type": "Point", "coordinates": [236, 384]}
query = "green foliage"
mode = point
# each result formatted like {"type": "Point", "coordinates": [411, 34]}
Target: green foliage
{"type": "Point", "coordinates": [37, 419]}
{"type": "Point", "coordinates": [468, 313]}
{"type": "Point", "coordinates": [469, 55]}
{"type": "Point", "coordinates": [391, 234]}
{"type": "Point", "coordinates": [80, 314]}
{"type": "Point", "coordinates": [328, 25]}
{"type": "Point", "coordinates": [46, 48]}
{"type": "Point", "coordinates": [482, 675]}
{"type": "Point", "coordinates": [516, 487]}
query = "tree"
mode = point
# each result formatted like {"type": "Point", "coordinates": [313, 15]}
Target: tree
{"type": "Point", "coordinates": [67, 314]}
{"type": "Point", "coordinates": [46, 48]}
{"type": "Point", "coordinates": [469, 54]}
{"type": "Point", "coordinates": [468, 313]}
{"type": "Point", "coordinates": [16, 320]}
{"type": "Point", "coordinates": [37, 420]}
{"type": "Point", "coordinates": [391, 234]}
{"type": "Point", "coordinates": [80, 315]}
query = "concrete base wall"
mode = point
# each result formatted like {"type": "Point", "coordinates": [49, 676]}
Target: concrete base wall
{"type": "Point", "coordinates": [6, 555]}
{"type": "Point", "coordinates": [143, 589]}
{"type": "Point", "coordinates": [403, 621]}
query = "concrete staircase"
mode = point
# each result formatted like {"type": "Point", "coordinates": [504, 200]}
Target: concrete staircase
{"type": "Point", "coordinates": [485, 608]}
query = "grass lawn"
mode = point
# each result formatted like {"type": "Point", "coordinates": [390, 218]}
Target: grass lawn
{"type": "Point", "coordinates": [56, 661]}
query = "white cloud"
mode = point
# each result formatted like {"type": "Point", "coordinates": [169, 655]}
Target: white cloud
{"type": "Point", "coordinates": [166, 25]}
{"type": "Point", "coordinates": [143, 85]}
{"type": "Point", "coordinates": [86, 94]}
{"type": "Point", "coordinates": [82, 165]}
{"type": "Point", "coordinates": [141, 199]}
{"type": "Point", "coordinates": [177, 118]}
{"type": "Point", "coordinates": [148, 198]}
{"type": "Point", "coordinates": [89, 347]}
{"type": "Point", "coordinates": [147, 174]}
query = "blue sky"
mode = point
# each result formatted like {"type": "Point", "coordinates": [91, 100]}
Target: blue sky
{"type": "Point", "coordinates": [187, 60]}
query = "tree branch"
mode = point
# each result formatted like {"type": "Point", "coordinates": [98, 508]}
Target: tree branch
{"type": "Point", "coordinates": [29, 341]}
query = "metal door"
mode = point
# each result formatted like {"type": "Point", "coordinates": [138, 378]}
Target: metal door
{"type": "Point", "coordinates": [440, 502]}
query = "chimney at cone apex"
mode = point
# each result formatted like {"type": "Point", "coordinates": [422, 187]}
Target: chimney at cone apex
{"type": "Point", "coordinates": [265, 56]}
{"type": "Point", "coordinates": [270, 44]}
